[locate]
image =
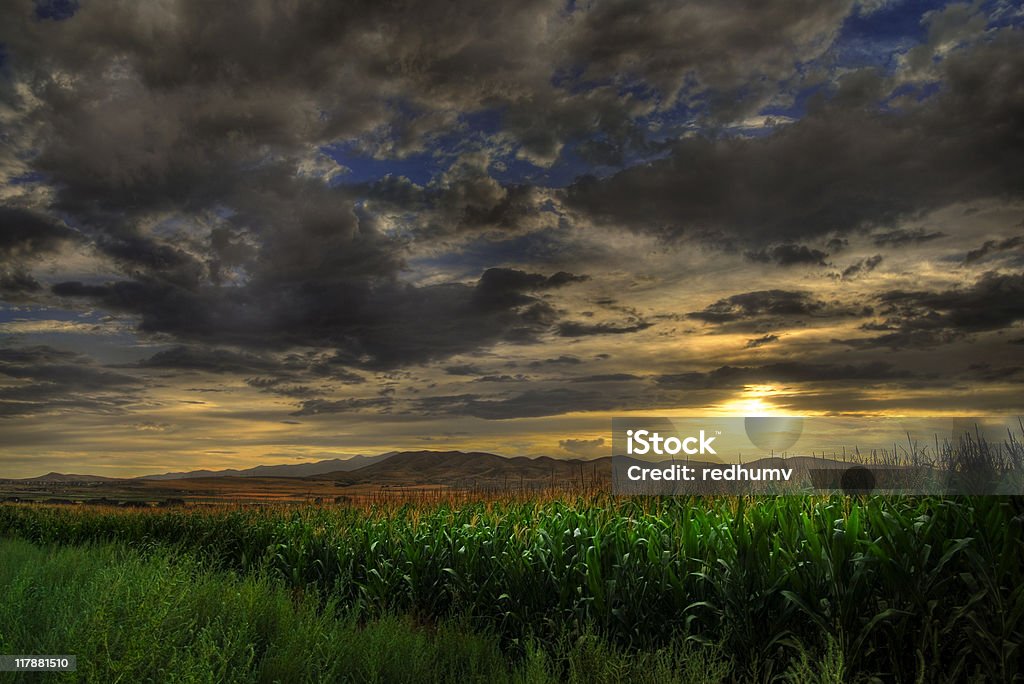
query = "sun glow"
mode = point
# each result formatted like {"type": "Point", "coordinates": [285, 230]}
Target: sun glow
{"type": "Point", "coordinates": [754, 401]}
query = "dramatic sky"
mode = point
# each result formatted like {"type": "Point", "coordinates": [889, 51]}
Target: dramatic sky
{"type": "Point", "coordinates": [235, 233]}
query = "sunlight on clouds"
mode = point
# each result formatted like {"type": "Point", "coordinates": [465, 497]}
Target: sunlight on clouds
{"type": "Point", "coordinates": [755, 401]}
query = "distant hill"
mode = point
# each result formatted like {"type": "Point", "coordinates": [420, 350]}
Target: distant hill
{"type": "Point", "coordinates": [450, 468]}
{"type": "Point", "coordinates": [458, 468]}
{"type": "Point", "coordinates": [482, 469]}
{"type": "Point", "coordinates": [284, 470]}
{"type": "Point", "coordinates": [62, 477]}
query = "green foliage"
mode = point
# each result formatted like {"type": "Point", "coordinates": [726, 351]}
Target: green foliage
{"type": "Point", "coordinates": [166, 618]}
{"type": "Point", "coordinates": [911, 589]}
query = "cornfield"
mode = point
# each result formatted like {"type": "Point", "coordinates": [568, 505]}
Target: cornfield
{"type": "Point", "coordinates": [907, 588]}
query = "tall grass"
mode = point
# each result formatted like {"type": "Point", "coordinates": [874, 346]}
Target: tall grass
{"type": "Point", "coordinates": [165, 618]}
{"type": "Point", "coordinates": [905, 588]}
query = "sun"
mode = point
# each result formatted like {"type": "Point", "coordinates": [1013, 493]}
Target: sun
{"type": "Point", "coordinates": [754, 401]}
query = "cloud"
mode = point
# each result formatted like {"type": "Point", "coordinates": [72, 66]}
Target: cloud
{"type": "Point", "coordinates": [607, 377]}
{"type": "Point", "coordinates": [26, 236]}
{"type": "Point", "coordinates": [315, 407]}
{"type": "Point", "coordinates": [502, 378]}
{"type": "Point", "coordinates": [180, 144]}
{"type": "Point", "coordinates": [916, 318]}
{"type": "Point", "coordinates": [25, 233]}
{"type": "Point", "coordinates": [702, 46]}
{"type": "Point", "coordinates": [762, 303]}
{"type": "Point", "coordinates": [903, 237]}
{"type": "Point", "coordinates": [16, 283]}
{"type": "Point", "coordinates": [152, 426]}
{"type": "Point", "coordinates": [669, 389]}
{"type": "Point", "coordinates": [48, 380]}
{"type": "Point", "coordinates": [577, 329]}
{"type": "Point", "coordinates": [789, 255]}
{"type": "Point", "coordinates": [528, 404]}
{"type": "Point", "coordinates": [466, 200]}
{"type": "Point", "coordinates": [463, 369]}
{"type": "Point", "coordinates": [209, 360]}
{"type": "Point", "coordinates": [341, 209]}
{"type": "Point", "coordinates": [761, 341]}
{"type": "Point", "coordinates": [583, 447]}
{"type": "Point", "coordinates": [837, 170]}
{"type": "Point", "coordinates": [736, 377]}
{"type": "Point", "coordinates": [993, 246]}
{"type": "Point", "coordinates": [372, 324]}
{"type": "Point", "coordinates": [36, 326]}
{"type": "Point", "coordinates": [564, 360]}
{"type": "Point", "coordinates": [280, 387]}
{"type": "Point", "coordinates": [861, 267]}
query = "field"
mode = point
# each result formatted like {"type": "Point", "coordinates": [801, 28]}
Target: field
{"type": "Point", "coordinates": [249, 490]}
{"type": "Point", "coordinates": [904, 589]}
{"type": "Point", "coordinates": [165, 617]}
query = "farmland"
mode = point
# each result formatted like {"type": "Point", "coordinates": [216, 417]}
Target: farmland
{"type": "Point", "coordinates": [904, 588]}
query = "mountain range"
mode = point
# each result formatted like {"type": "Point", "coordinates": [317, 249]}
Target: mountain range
{"type": "Point", "coordinates": [452, 468]}
{"type": "Point", "coordinates": [458, 468]}
{"type": "Point", "coordinates": [332, 465]}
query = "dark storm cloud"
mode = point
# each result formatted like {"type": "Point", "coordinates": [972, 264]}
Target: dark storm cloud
{"type": "Point", "coordinates": [789, 255]}
{"type": "Point", "coordinates": [986, 372]}
{"type": "Point", "coordinates": [215, 361]}
{"type": "Point", "coordinates": [149, 108]}
{"type": "Point", "coordinates": [468, 200]}
{"type": "Point", "coordinates": [723, 57]}
{"type": "Point", "coordinates": [377, 325]}
{"type": "Point", "coordinates": [187, 144]}
{"type": "Point", "coordinates": [577, 329]}
{"type": "Point", "coordinates": [992, 247]}
{"type": "Point", "coordinates": [48, 365]}
{"type": "Point", "coordinates": [135, 252]}
{"type": "Point", "coordinates": [502, 378]}
{"type": "Point", "coordinates": [837, 244]}
{"type": "Point", "coordinates": [165, 100]}
{"type": "Point", "coordinates": [861, 267]}
{"type": "Point", "coordinates": [923, 319]}
{"type": "Point", "coordinates": [735, 377]}
{"type": "Point", "coordinates": [564, 360]}
{"type": "Point", "coordinates": [274, 373]}
{"type": "Point", "coordinates": [607, 377]}
{"type": "Point", "coordinates": [331, 367]}
{"type": "Point", "coordinates": [840, 168]}
{"type": "Point", "coordinates": [25, 233]}
{"type": "Point", "coordinates": [721, 46]}
{"type": "Point", "coordinates": [761, 341]}
{"type": "Point", "coordinates": [293, 391]}
{"type": "Point", "coordinates": [464, 369]}
{"type": "Point", "coordinates": [51, 380]}
{"type": "Point", "coordinates": [180, 141]}
{"type": "Point", "coordinates": [25, 236]}
{"type": "Point", "coordinates": [528, 404]}
{"type": "Point", "coordinates": [903, 237]}
{"type": "Point", "coordinates": [14, 283]}
{"type": "Point", "coordinates": [507, 286]}
{"type": "Point", "coordinates": [162, 106]}
{"type": "Point", "coordinates": [315, 407]}
{"type": "Point", "coordinates": [763, 303]}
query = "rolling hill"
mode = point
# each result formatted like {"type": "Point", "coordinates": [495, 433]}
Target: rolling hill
{"type": "Point", "coordinates": [458, 468]}
{"type": "Point", "coordinates": [285, 470]}
{"type": "Point", "coordinates": [65, 477]}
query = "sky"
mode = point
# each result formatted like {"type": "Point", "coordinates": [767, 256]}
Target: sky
{"type": "Point", "coordinates": [235, 234]}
